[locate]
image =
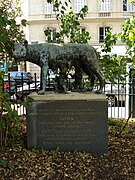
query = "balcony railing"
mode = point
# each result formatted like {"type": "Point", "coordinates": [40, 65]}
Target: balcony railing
{"type": "Point", "coordinates": [90, 15]}
{"type": "Point", "coordinates": [128, 13]}
{"type": "Point", "coordinates": [50, 16]}
{"type": "Point", "coordinates": [104, 14]}
{"type": "Point", "coordinates": [110, 14]}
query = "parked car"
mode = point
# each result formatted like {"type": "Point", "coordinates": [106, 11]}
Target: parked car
{"type": "Point", "coordinates": [21, 77]}
{"type": "Point", "coordinates": [9, 84]}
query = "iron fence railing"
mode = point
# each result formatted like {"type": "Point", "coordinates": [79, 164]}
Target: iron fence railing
{"type": "Point", "coordinates": [120, 96]}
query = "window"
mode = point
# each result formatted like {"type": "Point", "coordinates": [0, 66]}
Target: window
{"type": "Point", "coordinates": [102, 33]}
{"type": "Point", "coordinates": [48, 8]}
{"type": "Point", "coordinates": [50, 34]}
{"type": "Point", "coordinates": [82, 29]}
{"type": "Point", "coordinates": [104, 6]}
{"type": "Point", "coordinates": [127, 6]}
{"type": "Point", "coordinates": [79, 4]}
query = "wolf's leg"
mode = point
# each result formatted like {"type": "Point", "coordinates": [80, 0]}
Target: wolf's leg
{"type": "Point", "coordinates": [101, 80]}
{"type": "Point", "coordinates": [92, 80]}
{"type": "Point", "coordinates": [44, 70]}
{"type": "Point", "coordinates": [88, 70]}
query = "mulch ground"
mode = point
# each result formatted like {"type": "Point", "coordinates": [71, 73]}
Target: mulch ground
{"type": "Point", "coordinates": [18, 163]}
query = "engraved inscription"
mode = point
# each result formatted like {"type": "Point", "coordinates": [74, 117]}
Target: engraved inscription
{"type": "Point", "coordinates": [69, 125]}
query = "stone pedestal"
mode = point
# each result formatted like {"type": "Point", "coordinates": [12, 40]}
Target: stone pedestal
{"type": "Point", "coordinates": [70, 122]}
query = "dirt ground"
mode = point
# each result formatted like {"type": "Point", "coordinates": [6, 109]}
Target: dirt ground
{"type": "Point", "coordinates": [18, 163]}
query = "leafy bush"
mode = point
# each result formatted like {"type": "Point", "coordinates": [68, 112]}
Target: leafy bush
{"type": "Point", "coordinates": [9, 119]}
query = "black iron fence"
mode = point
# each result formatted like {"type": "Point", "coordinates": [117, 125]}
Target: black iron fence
{"type": "Point", "coordinates": [120, 96]}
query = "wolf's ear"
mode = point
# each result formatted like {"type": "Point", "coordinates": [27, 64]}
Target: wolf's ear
{"type": "Point", "coordinates": [25, 42]}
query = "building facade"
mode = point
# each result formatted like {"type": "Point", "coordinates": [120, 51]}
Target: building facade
{"type": "Point", "coordinates": [101, 15]}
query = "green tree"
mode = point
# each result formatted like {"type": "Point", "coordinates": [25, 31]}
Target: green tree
{"type": "Point", "coordinates": [128, 36]}
{"type": "Point", "coordinates": [69, 24]}
{"type": "Point", "coordinates": [114, 66]}
{"type": "Point", "coordinates": [10, 30]}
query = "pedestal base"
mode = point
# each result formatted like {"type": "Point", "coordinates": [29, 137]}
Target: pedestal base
{"type": "Point", "coordinates": [70, 122]}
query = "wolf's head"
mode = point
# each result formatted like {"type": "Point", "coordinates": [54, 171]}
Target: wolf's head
{"type": "Point", "coordinates": [19, 50]}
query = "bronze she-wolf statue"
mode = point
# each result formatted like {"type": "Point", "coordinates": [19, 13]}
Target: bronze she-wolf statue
{"type": "Point", "coordinates": [81, 56]}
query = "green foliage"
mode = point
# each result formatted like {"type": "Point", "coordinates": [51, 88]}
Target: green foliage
{"type": "Point", "coordinates": [115, 122]}
{"type": "Point", "coordinates": [9, 28]}
{"type": "Point", "coordinates": [69, 24]}
{"type": "Point", "coordinates": [26, 103]}
{"type": "Point", "coordinates": [122, 124]}
{"type": "Point", "coordinates": [114, 66]}
{"type": "Point", "coordinates": [109, 41]}
{"type": "Point", "coordinates": [9, 119]}
{"type": "Point", "coordinates": [131, 1]}
{"type": "Point", "coordinates": [128, 36]}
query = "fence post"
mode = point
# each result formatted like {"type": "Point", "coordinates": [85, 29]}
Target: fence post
{"type": "Point", "coordinates": [133, 86]}
{"type": "Point", "coordinates": [132, 93]}
{"type": "Point", "coordinates": [127, 90]}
